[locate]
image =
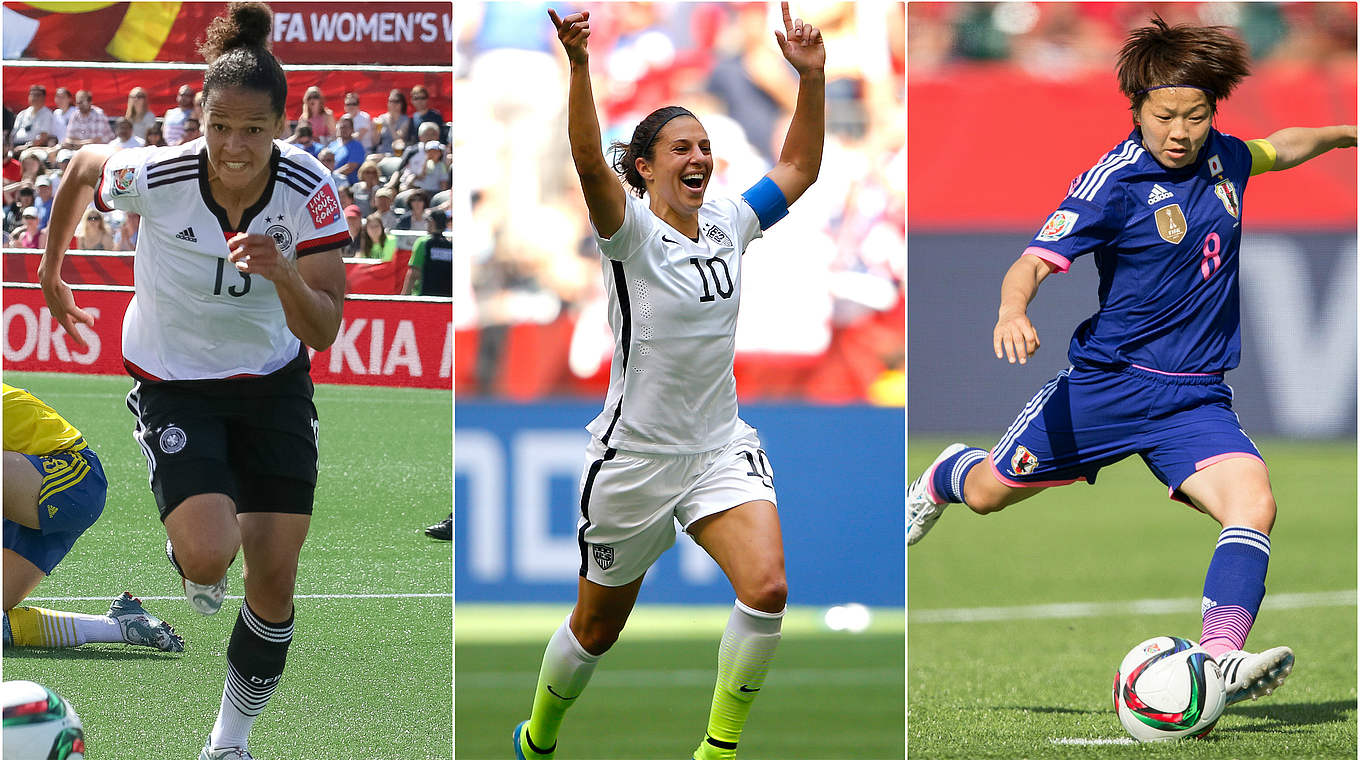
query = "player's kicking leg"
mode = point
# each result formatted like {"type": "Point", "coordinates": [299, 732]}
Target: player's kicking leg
{"type": "Point", "coordinates": [1237, 493]}
{"type": "Point", "coordinates": [955, 478]}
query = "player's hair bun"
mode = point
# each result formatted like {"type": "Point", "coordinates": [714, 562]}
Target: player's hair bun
{"type": "Point", "coordinates": [245, 25]}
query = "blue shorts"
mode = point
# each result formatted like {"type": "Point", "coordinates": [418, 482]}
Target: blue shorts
{"type": "Point", "coordinates": [1085, 419]}
{"type": "Point", "coordinates": [71, 499]}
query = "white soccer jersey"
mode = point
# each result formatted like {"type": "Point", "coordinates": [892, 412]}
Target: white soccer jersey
{"type": "Point", "coordinates": [673, 309]}
{"type": "Point", "coordinates": [194, 315]}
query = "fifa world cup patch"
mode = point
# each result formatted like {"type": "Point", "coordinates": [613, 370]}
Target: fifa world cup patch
{"type": "Point", "coordinates": [124, 181]}
{"type": "Point", "coordinates": [1023, 461]}
{"type": "Point", "coordinates": [1171, 223]}
{"type": "Point", "coordinates": [604, 555]}
{"type": "Point", "coordinates": [1058, 225]}
{"type": "Point", "coordinates": [324, 207]}
{"type": "Point", "coordinates": [1227, 192]}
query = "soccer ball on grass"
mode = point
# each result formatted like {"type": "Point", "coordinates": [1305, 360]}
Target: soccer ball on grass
{"type": "Point", "coordinates": [39, 724]}
{"type": "Point", "coordinates": [1168, 688]}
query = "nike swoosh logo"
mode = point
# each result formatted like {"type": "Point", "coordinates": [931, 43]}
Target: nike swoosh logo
{"type": "Point", "coordinates": [559, 696]}
{"type": "Point", "coordinates": [747, 689]}
{"type": "Point", "coordinates": [668, 240]}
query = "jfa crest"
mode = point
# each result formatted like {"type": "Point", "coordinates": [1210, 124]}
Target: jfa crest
{"type": "Point", "coordinates": [324, 207]}
{"type": "Point", "coordinates": [1227, 192]}
{"type": "Point", "coordinates": [1023, 462]}
{"type": "Point", "coordinates": [124, 181]}
{"type": "Point", "coordinates": [604, 555]}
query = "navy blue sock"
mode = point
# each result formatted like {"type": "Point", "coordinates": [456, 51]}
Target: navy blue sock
{"type": "Point", "coordinates": [947, 480]}
{"type": "Point", "coordinates": [1233, 588]}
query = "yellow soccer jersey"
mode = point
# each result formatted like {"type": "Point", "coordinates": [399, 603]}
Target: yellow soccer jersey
{"type": "Point", "coordinates": [32, 427]}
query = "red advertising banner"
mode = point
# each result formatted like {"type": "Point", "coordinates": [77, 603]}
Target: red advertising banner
{"type": "Point", "coordinates": [405, 33]}
{"type": "Point", "coordinates": [385, 341]}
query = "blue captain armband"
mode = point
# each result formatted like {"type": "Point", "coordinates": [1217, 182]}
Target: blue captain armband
{"type": "Point", "coordinates": [767, 200]}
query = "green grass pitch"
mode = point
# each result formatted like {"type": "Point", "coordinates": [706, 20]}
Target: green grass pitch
{"type": "Point", "coordinates": [1033, 681]}
{"type": "Point", "coordinates": [829, 695]}
{"type": "Point", "coordinates": [367, 678]}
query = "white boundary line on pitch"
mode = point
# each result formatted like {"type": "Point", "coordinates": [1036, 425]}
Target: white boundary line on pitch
{"type": "Point", "coordinates": [295, 596]}
{"type": "Point", "coordinates": [1094, 742]}
{"type": "Point", "coordinates": [1135, 607]}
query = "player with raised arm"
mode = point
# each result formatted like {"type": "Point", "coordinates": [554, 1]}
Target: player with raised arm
{"type": "Point", "coordinates": [238, 272]}
{"type": "Point", "coordinates": [1161, 214]}
{"type": "Point", "coordinates": [669, 445]}
{"type": "Point", "coordinates": [54, 492]}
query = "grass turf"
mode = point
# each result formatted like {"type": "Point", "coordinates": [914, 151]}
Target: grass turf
{"type": "Point", "coordinates": [1013, 688]}
{"type": "Point", "coordinates": [366, 677]}
{"type": "Point", "coordinates": [829, 695]}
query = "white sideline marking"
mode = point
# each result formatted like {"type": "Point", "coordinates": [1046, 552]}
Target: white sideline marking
{"type": "Point", "coordinates": [651, 679]}
{"type": "Point", "coordinates": [1093, 742]}
{"type": "Point", "coordinates": [1135, 607]}
{"type": "Point", "coordinates": [295, 596]}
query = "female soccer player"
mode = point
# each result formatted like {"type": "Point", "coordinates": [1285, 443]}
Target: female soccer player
{"type": "Point", "coordinates": [54, 492]}
{"type": "Point", "coordinates": [669, 444]}
{"type": "Point", "coordinates": [1161, 213]}
{"type": "Point", "coordinates": [237, 273]}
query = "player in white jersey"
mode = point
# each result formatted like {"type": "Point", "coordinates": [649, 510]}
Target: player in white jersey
{"type": "Point", "coordinates": [238, 271]}
{"type": "Point", "coordinates": [669, 445]}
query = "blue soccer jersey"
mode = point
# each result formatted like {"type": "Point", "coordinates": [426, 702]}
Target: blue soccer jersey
{"type": "Point", "coordinates": [1165, 243]}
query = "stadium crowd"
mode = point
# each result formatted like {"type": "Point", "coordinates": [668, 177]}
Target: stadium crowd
{"type": "Point", "coordinates": [392, 170]}
{"type": "Point", "coordinates": [824, 290]}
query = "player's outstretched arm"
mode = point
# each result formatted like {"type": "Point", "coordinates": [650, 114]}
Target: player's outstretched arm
{"type": "Point", "coordinates": [800, 159]}
{"type": "Point", "coordinates": [1014, 335]}
{"type": "Point", "coordinates": [75, 193]}
{"type": "Point", "coordinates": [605, 199]}
{"type": "Point", "coordinates": [1294, 145]}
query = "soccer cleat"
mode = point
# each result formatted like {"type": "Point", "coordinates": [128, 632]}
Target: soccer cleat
{"type": "Point", "coordinates": [141, 628]}
{"type": "Point", "coordinates": [442, 530]}
{"type": "Point", "coordinates": [525, 749]}
{"type": "Point", "coordinates": [225, 753]}
{"type": "Point", "coordinates": [922, 510]}
{"type": "Point", "coordinates": [1254, 675]}
{"type": "Point", "coordinates": [207, 600]}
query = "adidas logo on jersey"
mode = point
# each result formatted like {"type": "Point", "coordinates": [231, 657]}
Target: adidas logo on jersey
{"type": "Point", "coordinates": [187, 234]}
{"type": "Point", "coordinates": [1158, 194]}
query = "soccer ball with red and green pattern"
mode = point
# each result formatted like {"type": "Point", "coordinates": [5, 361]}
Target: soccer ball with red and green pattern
{"type": "Point", "coordinates": [1168, 688]}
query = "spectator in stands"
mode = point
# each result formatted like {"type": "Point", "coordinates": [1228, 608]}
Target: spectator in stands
{"type": "Point", "coordinates": [125, 239]}
{"type": "Point", "coordinates": [34, 125]}
{"type": "Point", "coordinates": [174, 119]}
{"type": "Point", "coordinates": [124, 136]}
{"type": "Point", "coordinates": [424, 113]}
{"type": "Point", "coordinates": [431, 269]}
{"type": "Point", "coordinates": [302, 137]}
{"type": "Point", "coordinates": [355, 220]}
{"type": "Point", "coordinates": [392, 125]}
{"type": "Point", "coordinates": [415, 151]}
{"type": "Point", "coordinates": [370, 179]}
{"type": "Point", "coordinates": [191, 131]}
{"type": "Point", "coordinates": [382, 206]}
{"type": "Point", "coordinates": [65, 104]}
{"type": "Point", "coordinates": [430, 175]}
{"type": "Point", "coordinates": [349, 152]}
{"type": "Point", "coordinates": [32, 165]}
{"type": "Point", "coordinates": [87, 124]}
{"type": "Point", "coordinates": [419, 202]}
{"type": "Point", "coordinates": [31, 234]}
{"type": "Point", "coordinates": [139, 113]}
{"type": "Point", "coordinates": [42, 200]}
{"type": "Point", "coordinates": [346, 194]}
{"type": "Point", "coordinates": [93, 233]}
{"type": "Point", "coordinates": [155, 137]}
{"type": "Point", "coordinates": [315, 112]}
{"type": "Point", "coordinates": [363, 122]}
{"type": "Point", "coordinates": [377, 244]}
{"type": "Point", "coordinates": [14, 216]}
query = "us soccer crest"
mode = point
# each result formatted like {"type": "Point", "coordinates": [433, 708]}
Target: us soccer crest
{"type": "Point", "coordinates": [1023, 462]}
{"type": "Point", "coordinates": [604, 555]}
{"type": "Point", "coordinates": [1227, 192]}
{"type": "Point", "coordinates": [715, 233]}
{"type": "Point", "coordinates": [1171, 223]}
{"type": "Point", "coordinates": [124, 181]}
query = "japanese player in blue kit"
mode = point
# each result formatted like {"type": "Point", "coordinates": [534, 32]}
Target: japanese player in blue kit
{"type": "Point", "coordinates": [1161, 214]}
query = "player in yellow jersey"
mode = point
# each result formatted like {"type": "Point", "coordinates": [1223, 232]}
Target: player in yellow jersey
{"type": "Point", "coordinates": [54, 489]}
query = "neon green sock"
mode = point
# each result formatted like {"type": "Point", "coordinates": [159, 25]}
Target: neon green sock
{"type": "Point", "coordinates": [566, 670]}
{"type": "Point", "coordinates": [744, 657]}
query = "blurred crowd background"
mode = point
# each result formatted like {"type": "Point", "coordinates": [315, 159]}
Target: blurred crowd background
{"type": "Point", "coordinates": [822, 317]}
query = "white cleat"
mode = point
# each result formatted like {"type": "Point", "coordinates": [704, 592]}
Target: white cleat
{"type": "Point", "coordinates": [225, 753]}
{"type": "Point", "coordinates": [922, 509]}
{"type": "Point", "coordinates": [206, 600]}
{"type": "Point", "coordinates": [1254, 675]}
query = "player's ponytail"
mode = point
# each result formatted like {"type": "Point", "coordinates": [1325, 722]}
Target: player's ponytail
{"type": "Point", "coordinates": [236, 48]}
